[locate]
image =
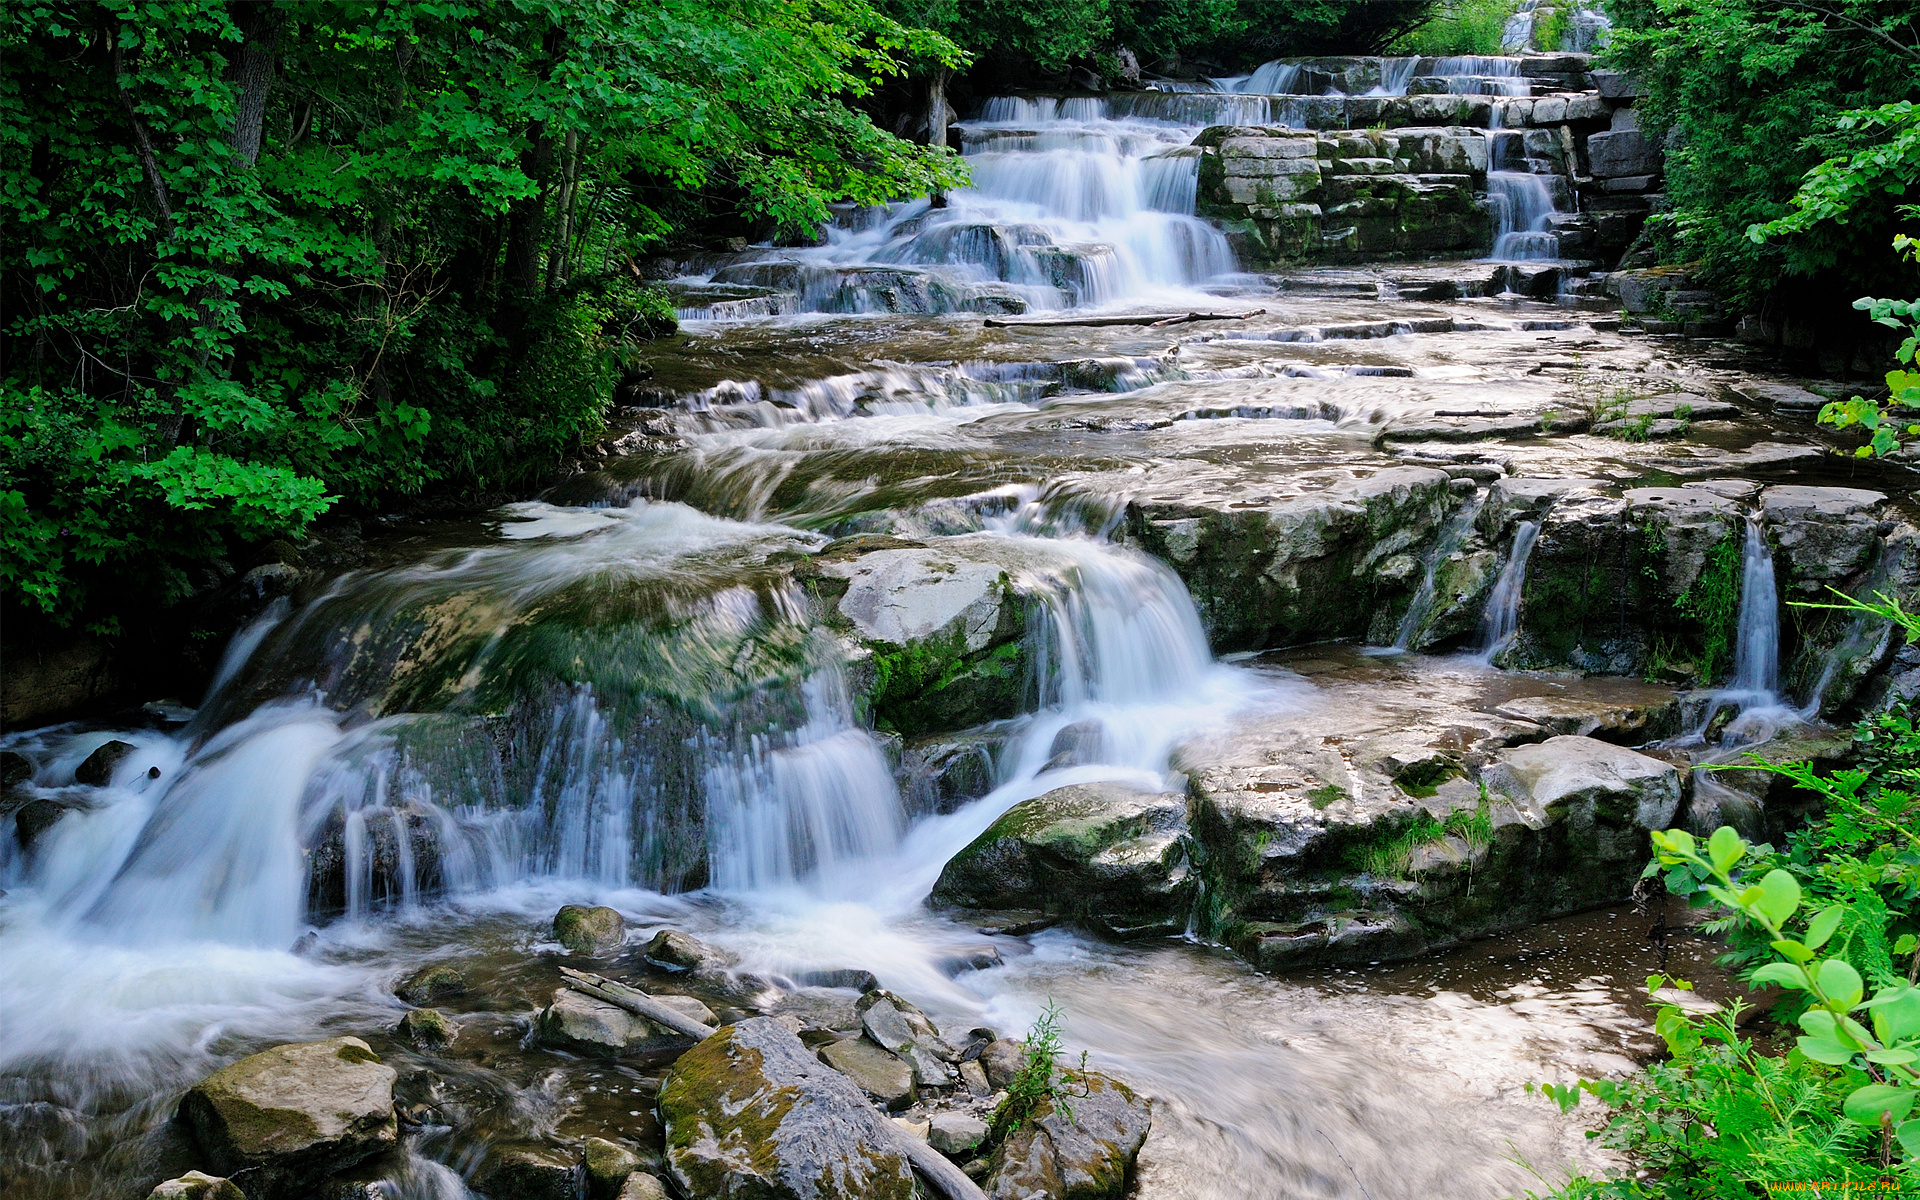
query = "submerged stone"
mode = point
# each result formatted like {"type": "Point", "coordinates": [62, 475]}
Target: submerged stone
{"type": "Point", "coordinates": [433, 985]}
{"type": "Point", "coordinates": [749, 1112]}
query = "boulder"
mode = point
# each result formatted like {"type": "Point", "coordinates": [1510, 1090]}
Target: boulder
{"type": "Point", "coordinates": [197, 1186]}
{"type": "Point", "coordinates": [579, 1023]}
{"type": "Point", "coordinates": [1608, 792]}
{"type": "Point", "coordinates": [530, 1171]}
{"type": "Point", "coordinates": [593, 932]}
{"type": "Point", "coordinates": [1002, 1059]}
{"type": "Point", "coordinates": [607, 1165]}
{"type": "Point", "coordinates": [14, 768]}
{"type": "Point", "coordinates": [1082, 1149]}
{"type": "Point", "coordinates": [749, 1112]}
{"type": "Point", "coordinates": [32, 820]}
{"type": "Point", "coordinates": [290, 1116]}
{"type": "Point", "coordinates": [428, 1027]}
{"type": "Point", "coordinates": [902, 1028]}
{"type": "Point", "coordinates": [956, 1134]}
{"type": "Point", "coordinates": [642, 1186]}
{"type": "Point", "coordinates": [1625, 152]}
{"type": "Point", "coordinates": [433, 984]}
{"type": "Point", "coordinates": [1654, 714]}
{"type": "Point", "coordinates": [97, 769]}
{"type": "Point", "coordinates": [671, 950]}
{"type": "Point", "coordinates": [1823, 534]}
{"type": "Point", "coordinates": [1102, 853]}
{"type": "Point", "coordinates": [879, 1072]}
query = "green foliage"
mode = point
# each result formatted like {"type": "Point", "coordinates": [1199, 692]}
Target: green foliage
{"type": "Point", "coordinates": [1388, 852]}
{"type": "Point", "coordinates": [1040, 1081]}
{"type": "Point", "coordinates": [1550, 26]}
{"type": "Point", "coordinates": [1713, 602]}
{"type": "Point", "coordinates": [394, 253]}
{"type": "Point", "coordinates": [1459, 27]}
{"type": "Point", "coordinates": [1757, 94]}
{"type": "Point", "coordinates": [1882, 418]}
{"type": "Point", "coordinates": [1826, 919]}
{"type": "Point", "coordinates": [1325, 796]}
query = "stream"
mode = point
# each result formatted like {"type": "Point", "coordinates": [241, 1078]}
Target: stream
{"type": "Point", "coordinates": [624, 693]}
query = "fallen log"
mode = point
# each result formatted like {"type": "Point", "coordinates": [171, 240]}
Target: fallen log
{"type": "Point", "coordinates": [1151, 321]}
{"type": "Point", "coordinates": [938, 1170]}
{"type": "Point", "coordinates": [635, 1001]}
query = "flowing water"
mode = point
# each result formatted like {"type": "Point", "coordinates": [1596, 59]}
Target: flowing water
{"type": "Point", "coordinates": [622, 695]}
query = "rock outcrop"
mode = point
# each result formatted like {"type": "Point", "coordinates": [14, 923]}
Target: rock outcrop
{"type": "Point", "coordinates": [749, 1112]}
{"type": "Point", "coordinates": [1088, 1155]}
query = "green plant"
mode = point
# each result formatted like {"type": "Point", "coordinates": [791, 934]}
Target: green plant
{"type": "Point", "coordinates": [1459, 27]}
{"type": "Point", "coordinates": [1550, 26]}
{"type": "Point", "coordinates": [1713, 601]}
{"type": "Point", "coordinates": [1325, 795]}
{"type": "Point", "coordinates": [1040, 1081]}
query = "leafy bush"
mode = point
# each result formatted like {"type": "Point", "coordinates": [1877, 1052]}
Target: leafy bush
{"type": "Point", "coordinates": [1459, 27]}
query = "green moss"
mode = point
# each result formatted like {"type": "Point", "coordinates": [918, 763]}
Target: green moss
{"type": "Point", "coordinates": [931, 686]}
{"type": "Point", "coordinates": [1713, 603]}
{"type": "Point", "coordinates": [1325, 796]}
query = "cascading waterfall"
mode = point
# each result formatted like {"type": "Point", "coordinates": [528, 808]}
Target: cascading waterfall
{"type": "Point", "coordinates": [1523, 208]}
{"type": "Point", "coordinates": [1502, 619]}
{"type": "Point", "coordinates": [1756, 653]}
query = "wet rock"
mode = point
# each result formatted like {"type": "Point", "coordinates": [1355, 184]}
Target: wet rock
{"type": "Point", "coordinates": [749, 1112]}
{"type": "Point", "coordinates": [1639, 719]}
{"type": "Point", "coordinates": [1087, 1155]}
{"type": "Point", "coordinates": [938, 775]}
{"type": "Point", "coordinates": [879, 1073]}
{"type": "Point", "coordinates": [579, 1023]}
{"type": "Point", "coordinates": [396, 854]}
{"type": "Point", "coordinates": [593, 932]}
{"type": "Point", "coordinates": [294, 1114]}
{"type": "Point", "coordinates": [642, 1186]}
{"type": "Point", "coordinates": [32, 820]}
{"type": "Point", "coordinates": [428, 1027]}
{"type": "Point", "coordinates": [14, 768]}
{"type": "Point", "coordinates": [852, 978]}
{"type": "Point", "coordinates": [530, 1171]}
{"type": "Point", "coordinates": [607, 1165]}
{"type": "Point", "coordinates": [671, 950]}
{"type": "Point", "coordinates": [955, 1134]}
{"type": "Point", "coordinates": [902, 1028]}
{"type": "Point", "coordinates": [1604, 792]}
{"type": "Point", "coordinates": [1002, 1059]}
{"type": "Point", "coordinates": [431, 985]}
{"type": "Point", "coordinates": [97, 769]}
{"type": "Point", "coordinates": [195, 1185]}
{"type": "Point", "coordinates": [1101, 853]}
{"type": "Point", "coordinates": [1824, 534]}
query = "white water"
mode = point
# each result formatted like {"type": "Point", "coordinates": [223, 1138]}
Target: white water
{"type": "Point", "coordinates": [1502, 619]}
{"type": "Point", "coordinates": [1760, 711]}
{"type": "Point", "coordinates": [1523, 208]}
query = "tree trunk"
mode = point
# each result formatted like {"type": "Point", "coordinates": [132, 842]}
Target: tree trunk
{"type": "Point", "coordinates": [525, 217]}
{"type": "Point", "coordinates": [253, 71]}
{"type": "Point", "coordinates": [564, 203]}
{"type": "Point", "coordinates": [937, 106]}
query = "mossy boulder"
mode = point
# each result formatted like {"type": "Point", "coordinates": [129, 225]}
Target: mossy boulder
{"type": "Point", "coordinates": [1081, 1149]}
{"type": "Point", "coordinates": [433, 984]}
{"type": "Point", "coordinates": [608, 1164]}
{"type": "Point", "coordinates": [279, 1121]}
{"type": "Point", "coordinates": [749, 1112]}
{"type": "Point", "coordinates": [1101, 853]}
{"type": "Point", "coordinates": [530, 1171]}
{"type": "Point", "coordinates": [593, 932]}
{"type": "Point", "coordinates": [195, 1185]}
{"type": "Point", "coordinates": [428, 1027]}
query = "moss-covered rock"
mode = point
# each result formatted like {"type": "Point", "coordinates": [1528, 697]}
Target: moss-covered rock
{"type": "Point", "coordinates": [195, 1185]}
{"type": "Point", "coordinates": [1101, 853]}
{"type": "Point", "coordinates": [1080, 1149]}
{"type": "Point", "coordinates": [530, 1171]}
{"type": "Point", "coordinates": [607, 1166]}
{"type": "Point", "coordinates": [749, 1112]}
{"type": "Point", "coordinates": [581, 1024]}
{"type": "Point", "coordinates": [428, 1027]}
{"type": "Point", "coordinates": [281, 1120]}
{"type": "Point", "coordinates": [594, 932]}
{"type": "Point", "coordinates": [434, 984]}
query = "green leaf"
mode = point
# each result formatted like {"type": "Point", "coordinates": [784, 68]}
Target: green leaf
{"type": "Point", "coordinates": [1779, 896]}
{"type": "Point", "coordinates": [1840, 982]}
{"type": "Point", "coordinates": [1826, 1050]}
{"type": "Point", "coordinates": [1909, 1134]}
{"type": "Point", "coordinates": [1894, 1057]}
{"type": "Point", "coordinates": [1866, 1104]}
{"type": "Point", "coordinates": [1725, 848]}
{"type": "Point", "coordinates": [1784, 974]}
{"type": "Point", "coordinates": [1896, 1014]}
{"type": "Point", "coordinates": [1821, 927]}
{"type": "Point", "coordinates": [1787, 948]}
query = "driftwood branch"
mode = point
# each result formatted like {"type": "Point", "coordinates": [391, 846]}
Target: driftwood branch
{"type": "Point", "coordinates": [949, 1180]}
{"type": "Point", "coordinates": [1153, 322]}
{"type": "Point", "coordinates": [635, 1001]}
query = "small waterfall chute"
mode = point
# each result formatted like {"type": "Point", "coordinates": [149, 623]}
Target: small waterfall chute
{"type": "Point", "coordinates": [1502, 620]}
{"type": "Point", "coordinates": [1420, 609]}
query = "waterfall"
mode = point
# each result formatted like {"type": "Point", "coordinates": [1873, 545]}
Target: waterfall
{"type": "Point", "coordinates": [1756, 653]}
{"type": "Point", "coordinates": [1502, 619]}
{"type": "Point", "coordinates": [1482, 75]}
{"type": "Point", "coordinates": [1269, 79]}
{"type": "Point", "coordinates": [1523, 208]}
{"type": "Point", "coordinates": [1517, 36]}
{"type": "Point", "coordinates": [1395, 74]}
{"type": "Point", "coordinates": [1420, 608]}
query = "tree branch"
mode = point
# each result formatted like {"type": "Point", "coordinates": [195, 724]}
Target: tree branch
{"type": "Point", "coordinates": [142, 144]}
{"type": "Point", "coordinates": [1883, 35]}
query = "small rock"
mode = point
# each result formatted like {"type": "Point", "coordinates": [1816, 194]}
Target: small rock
{"type": "Point", "coordinates": [671, 950]}
{"type": "Point", "coordinates": [589, 931]}
{"type": "Point", "coordinates": [582, 1024]}
{"type": "Point", "coordinates": [750, 1112]}
{"type": "Point", "coordinates": [433, 985]}
{"type": "Point", "coordinates": [955, 1133]}
{"type": "Point", "coordinates": [904, 1029]}
{"type": "Point", "coordinates": [428, 1027]}
{"type": "Point", "coordinates": [842, 977]}
{"type": "Point", "coordinates": [97, 770]}
{"type": "Point", "coordinates": [878, 1071]}
{"type": "Point", "coordinates": [17, 768]}
{"type": "Point", "coordinates": [34, 818]}
{"type": "Point", "coordinates": [608, 1164]}
{"type": "Point", "coordinates": [295, 1114]}
{"type": "Point", "coordinates": [1002, 1060]}
{"type": "Point", "coordinates": [197, 1186]}
{"type": "Point", "coordinates": [974, 1076]}
{"type": "Point", "coordinates": [642, 1186]}
{"type": "Point", "coordinates": [530, 1171]}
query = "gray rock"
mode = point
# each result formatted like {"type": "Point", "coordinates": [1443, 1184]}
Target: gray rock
{"type": "Point", "coordinates": [973, 1077]}
{"type": "Point", "coordinates": [1626, 152]}
{"type": "Point", "coordinates": [1783, 398]}
{"type": "Point", "coordinates": [294, 1114]}
{"type": "Point", "coordinates": [1584, 780]}
{"type": "Point", "coordinates": [879, 1072]}
{"type": "Point", "coordinates": [750, 1113]}
{"type": "Point", "coordinates": [197, 1186]}
{"type": "Point", "coordinates": [530, 1171]}
{"type": "Point", "coordinates": [433, 984]}
{"type": "Point", "coordinates": [955, 1134]}
{"type": "Point", "coordinates": [902, 1028]}
{"type": "Point", "coordinates": [32, 820]}
{"type": "Point", "coordinates": [1654, 715]}
{"type": "Point", "coordinates": [607, 1165]}
{"type": "Point", "coordinates": [97, 769]}
{"type": "Point", "coordinates": [1087, 1156]}
{"type": "Point", "coordinates": [593, 932]}
{"type": "Point", "coordinates": [579, 1023]}
{"type": "Point", "coordinates": [428, 1027]}
{"type": "Point", "coordinates": [1101, 853]}
{"type": "Point", "coordinates": [1002, 1059]}
{"type": "Point", "coordinates": [642, 1186]}
{"type": "Point", "coordinates": [672, 950]}
{"type": "Point", "coordinates": [1824, 534]}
